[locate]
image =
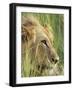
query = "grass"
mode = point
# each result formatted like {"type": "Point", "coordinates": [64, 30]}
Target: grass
{"type": "Point", "coordinates": [56, 21]}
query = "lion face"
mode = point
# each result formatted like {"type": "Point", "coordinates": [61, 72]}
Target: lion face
{"type": "Point", "coordinates": [36, 36]}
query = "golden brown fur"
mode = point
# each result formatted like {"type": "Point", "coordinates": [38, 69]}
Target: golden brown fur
{"type": "Point", "coordinates": [39, 41]}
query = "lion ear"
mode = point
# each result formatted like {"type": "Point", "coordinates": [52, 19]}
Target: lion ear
{"type": "Point", "coordinates": [51, 36]}
{"type": "Point", "coordinates": [49, 32]}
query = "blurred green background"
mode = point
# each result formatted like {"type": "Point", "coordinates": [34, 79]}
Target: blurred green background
{"type": "Point", "coordinates": [56, 21]}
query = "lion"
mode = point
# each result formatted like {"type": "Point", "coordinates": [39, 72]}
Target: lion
{"type": "Point", "coordinates": [37, 40]}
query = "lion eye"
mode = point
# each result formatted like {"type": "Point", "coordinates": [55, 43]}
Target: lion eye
{"type": "Point", "coordinates": [43, 41]}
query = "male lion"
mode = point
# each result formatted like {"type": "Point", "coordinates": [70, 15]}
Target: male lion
{"type": "Point", "coordinates": [38, 52]}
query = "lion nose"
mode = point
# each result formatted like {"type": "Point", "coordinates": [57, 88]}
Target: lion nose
{"type": "Point", "coordinates": [55, 60]}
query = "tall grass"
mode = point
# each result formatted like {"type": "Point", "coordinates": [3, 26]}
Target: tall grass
{"type": "Point", "coordinates": [56, 21]}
